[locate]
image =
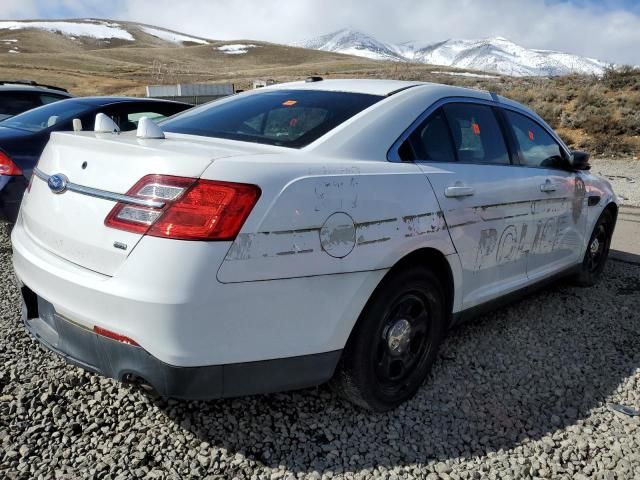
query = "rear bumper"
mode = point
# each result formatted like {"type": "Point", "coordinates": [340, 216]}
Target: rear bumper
{"type": "Point", "coordinates": [165, 297]}
{"type": "Point", "coordinates": [111, 358]}
{"type": "Point", "coordinates": [11, 191]}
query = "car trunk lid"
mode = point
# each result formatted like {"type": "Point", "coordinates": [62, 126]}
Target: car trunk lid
{"type": "Point", "coordinates": [71, 223]}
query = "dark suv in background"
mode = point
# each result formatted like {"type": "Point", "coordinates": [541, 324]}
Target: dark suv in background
{"type": "Point", "coordinates": [19, 96]}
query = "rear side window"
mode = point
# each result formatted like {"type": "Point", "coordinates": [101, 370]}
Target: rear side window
{"type": "Point", "coordinates": [432, 142]}
{"type": "Point", "coordinates": [46, 98]}
{"type": "Point", "coordinates": [476, 134]}
{"type": "Point", "coordinates": [13, 103]}
{"type": "Point", "coordinates": [288, 118]}
{"type": "Point", "coordinates": [127, 114]}
{"type": "Point", "coordinates": [536, 147]}
{"type": "Point", "coordinates": [135, 117]}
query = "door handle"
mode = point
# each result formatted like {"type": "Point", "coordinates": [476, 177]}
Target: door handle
{"type": "Point", "coordinates": [459, 191]}
{"type": "Point", "coordinates": [548, 187]}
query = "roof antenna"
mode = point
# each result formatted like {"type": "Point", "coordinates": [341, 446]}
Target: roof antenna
{"type": "Point", "coordinates": [104, 124]}
{"type": "Point", "coordinates": [147, 128]}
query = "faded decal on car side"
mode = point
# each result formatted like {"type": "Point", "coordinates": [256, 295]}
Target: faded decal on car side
{"type": "Point", "coordinates": [271, 244]}
{"type": "Point", "coordinates": [335, 194]}
{"type": "Point", "coordinates": [551, 220]}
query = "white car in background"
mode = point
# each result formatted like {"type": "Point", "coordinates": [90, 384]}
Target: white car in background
{"type": "Point", "coordinates": [306, 231]}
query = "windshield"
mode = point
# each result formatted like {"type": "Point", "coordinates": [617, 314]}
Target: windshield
{"type": "Point", "coordinates": [47, 116]}
{"type": "Point", "coordinates": [288, 118]}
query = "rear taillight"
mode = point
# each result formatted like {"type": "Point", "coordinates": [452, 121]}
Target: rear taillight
{"type": "Point", "coordinates": [194, 209]}
{"type": "Point", "coordinates": [7, 167]}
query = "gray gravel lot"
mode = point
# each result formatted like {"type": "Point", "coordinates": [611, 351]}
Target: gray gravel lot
{"type": "Point", "coordinates": [520, 393]}
{"type": "Point", "coordinates": [624, 176]}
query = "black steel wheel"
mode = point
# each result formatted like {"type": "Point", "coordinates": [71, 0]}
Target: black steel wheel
{"type": "Point", "coordinates": [597, 251]}
{"type": "Point", "coordinates": [404, 341]}
{"type": "Point", "coordinates": [395, 341]}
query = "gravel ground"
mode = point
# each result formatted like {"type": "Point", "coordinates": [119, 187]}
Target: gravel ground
{"type": "Point", "coordinates": [624, 176]}
{"type": "Point", "coordinates": [521, 393]}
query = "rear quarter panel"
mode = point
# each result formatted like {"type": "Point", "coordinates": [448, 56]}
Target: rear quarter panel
{"type": "Point", "coordinates": [326, 216]}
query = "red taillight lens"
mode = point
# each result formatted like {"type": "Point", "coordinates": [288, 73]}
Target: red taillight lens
{"type": "Point", "coordinates": [194, 209]}
{"type": "Point", "coordinates": [7, 167]}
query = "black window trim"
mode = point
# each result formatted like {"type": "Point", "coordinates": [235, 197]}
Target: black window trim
{"type": "Point", "coordinates": [393, 155]}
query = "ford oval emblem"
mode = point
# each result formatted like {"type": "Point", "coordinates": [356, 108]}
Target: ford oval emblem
{"type": "Point", "coordinates": [58, 183]}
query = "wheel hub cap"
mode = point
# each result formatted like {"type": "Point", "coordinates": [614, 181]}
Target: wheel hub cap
{"type": "Point", "coordinates": [595, 246]}
{"type": "Point", "coordinates": [399, 337]}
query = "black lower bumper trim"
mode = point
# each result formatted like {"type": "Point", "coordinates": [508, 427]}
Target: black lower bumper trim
{"type": "Point", "coordinates": [122, 361]}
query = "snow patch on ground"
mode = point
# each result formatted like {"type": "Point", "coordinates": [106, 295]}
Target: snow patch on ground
{"type": "Point", "coordinates": [467, 74]}
{"type": "Point", "coordinates": [92, 29]}
{"type": "Point", "coordinates": [236, 48]}
{"type": "Point", "coordinates": [172, 36]}
{"type": "Point", "coordinates": [362, 52]}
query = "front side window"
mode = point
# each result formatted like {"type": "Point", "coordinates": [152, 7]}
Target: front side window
{"type": "Point", "coordinates": [537, 147]}
{"type": "Point", "coordinates": [288, 118]}
{"type": "Point", "coordinates": [476, 134]}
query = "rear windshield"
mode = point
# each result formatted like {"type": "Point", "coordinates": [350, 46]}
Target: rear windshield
{"type": "Point", "coordinates": [288, 118]}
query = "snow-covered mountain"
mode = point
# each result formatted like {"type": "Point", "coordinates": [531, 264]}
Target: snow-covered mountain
{"type": "Point", "coordinates": [101, 30]}
{"type": "Point", "coordinates": [352, 42]}
{"type": "Point", "coordinates": [495, 55]}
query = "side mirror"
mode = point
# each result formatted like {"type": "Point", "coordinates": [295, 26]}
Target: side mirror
{"type": "Point", "coordinates": [580, 160]}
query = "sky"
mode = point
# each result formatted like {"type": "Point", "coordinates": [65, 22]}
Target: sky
{"type": "Point", "coordinates": [605, 29]}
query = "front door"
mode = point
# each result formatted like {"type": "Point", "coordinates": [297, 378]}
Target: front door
{"type": "Point", "coordinates": [558, 194]}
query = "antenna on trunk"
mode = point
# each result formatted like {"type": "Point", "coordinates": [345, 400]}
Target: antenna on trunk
{"type": "Point", "coordinates": [147, 128]}
{"type": "Point", "coordinates": [104, 124]}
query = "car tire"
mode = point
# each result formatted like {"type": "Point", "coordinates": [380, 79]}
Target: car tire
{"type": "Point", "coordinates": [595, 257]}
{"type": "Point", "coordinates": [394, 342]}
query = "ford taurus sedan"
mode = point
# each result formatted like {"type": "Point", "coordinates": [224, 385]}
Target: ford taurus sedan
{"type": "Point", "coordinates": [280, 238]}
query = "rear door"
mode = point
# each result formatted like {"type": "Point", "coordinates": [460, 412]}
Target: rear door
{"type": "Point", "coordinates": [484, 198]}
{"type": "Point", "coordinates": [558, 194]}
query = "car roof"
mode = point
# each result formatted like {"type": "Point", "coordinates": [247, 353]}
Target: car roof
{"type": "Point", "coordinates": [368, 86]}
{"type": "Point", "coordinates": [111, 100]}
{"type": "Point", "coordinates": [372, 87]}
{"type": "Point", "coordinates": [10, 87]}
